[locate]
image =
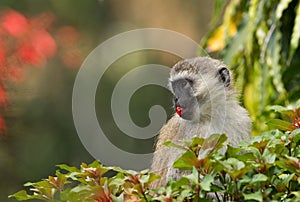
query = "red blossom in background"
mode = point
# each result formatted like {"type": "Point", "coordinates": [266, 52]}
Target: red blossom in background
{"type": "Point", "coordinates": [27, 41]}
{"type": "Point", "coordinates": [14, 23]}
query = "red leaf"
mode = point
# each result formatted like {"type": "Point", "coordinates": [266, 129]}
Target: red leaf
{"type": "Point", "coordinates": [14, 23]}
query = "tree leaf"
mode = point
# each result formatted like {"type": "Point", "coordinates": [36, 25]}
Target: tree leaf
{"type": "Point", "coordinates": [295, 34]}
{"type": "Point", "coordinates": [280, 124]}
{"type": "Point", "coordinates": [258, 178]}
{"type": "Point", "coordinates": [211, 144]}
{"type": "Point", "coordinates": [206, 182]}
{"type": "Point", "coordinates": [171, 144]}
{"type": "Point", "coordinates": [194, 176]}
{"type": "Point", "coordinates": [257, 196]}
{"type": "Point", "coordinates": [23, 196]}
{"type": "Point", "coordinates": [187, 161]}
{"type": "Point", "coordinates": [283, 4]}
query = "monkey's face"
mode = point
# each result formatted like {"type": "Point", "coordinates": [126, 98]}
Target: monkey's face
{"type": "Point", "coordinates": [184, 100]}
{"type": "Point", "coordinates": [199, 86]}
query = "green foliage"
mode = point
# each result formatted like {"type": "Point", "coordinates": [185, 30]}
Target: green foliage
{"type": "Point", "coordinates": [259, 40]}
{"type": "Point", "coordinates": [266, 169]}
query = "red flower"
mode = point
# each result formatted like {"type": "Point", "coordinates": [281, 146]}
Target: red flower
{"type": "Point", "coordinates": [67, 35]}
{"type": "Point", "coordinates": [3, 97]}
{"type": "Point", "coordinates": [16, 74]}
{"type": "Point", "coordinates": [44, 44]}
{"type": "Point", "coordinates": [2, 125]}
{"type": "Point", "coordinates": [2, 58]}
{"type": "Point", "coordinates": [72, 58]}
{"type": "Point", "coordinates": [28, 53]}
{"type": "Point", "coordinates": [41, 47]}
{"type": "Point", "coordinates": [14, 23]}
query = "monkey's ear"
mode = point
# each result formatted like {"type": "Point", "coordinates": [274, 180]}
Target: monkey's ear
{"type": "Point", "coordinates": [224, 76]}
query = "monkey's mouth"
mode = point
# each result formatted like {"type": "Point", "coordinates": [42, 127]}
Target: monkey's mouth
{"type": "Point", "coordinates": [184, 113]}
{"type": "Point", "coordinates": [179, 111]}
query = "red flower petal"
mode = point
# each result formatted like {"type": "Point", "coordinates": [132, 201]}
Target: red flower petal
{"type": "Point", "coordinates": [44, 44]}
{"type": "Point", "coordinates": [28, 54]}
{"type": "Point", "coordinates": [14, 23]}
{"type": "Point", "coordinates": [2, 57]}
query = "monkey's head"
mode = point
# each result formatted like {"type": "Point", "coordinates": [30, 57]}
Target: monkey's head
{"type": "Point", "coordinates": [198, 85]}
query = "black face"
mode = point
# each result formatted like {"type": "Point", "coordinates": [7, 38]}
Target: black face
{"type": "Point", "coordinates": [184, 99]}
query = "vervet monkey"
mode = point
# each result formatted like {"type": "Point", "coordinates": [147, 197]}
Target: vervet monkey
{"type": "Point", "coordinates": [206, 103]}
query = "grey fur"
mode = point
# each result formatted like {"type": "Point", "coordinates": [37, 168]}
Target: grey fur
{"type": "Point", "coordinates": [217, 111]}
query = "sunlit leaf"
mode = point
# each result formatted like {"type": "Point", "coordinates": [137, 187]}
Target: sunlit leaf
{"type": "Point", "coordinates": [295, 132]}
{"type": "Point", "coordinates": [212, 143]}
{"type": "Point", "coordinates": [280, 124]}
{"type": "Point", "coordinates": [283, 4]}
{"type": "Point", "coordinates": [257, 196]}
{"type": "Point", "coordinates": [23, 196]}
{"type": "Point", "coordinates": [171, 144]}
{"type": "Point", "coordinates": [68, 168]}
{"type": "Point", "coordinates": [258, 178]}
{"type": "Point", "coordinates": [187, 161]}
{"type": "Point", "coordinates": [268, 157]}
{"type": "Point", "coordinates": [296, 33]}
{"type": "Point", "coordinates": [206, 182]}
{"type": "Point", "coordinates": [194, 176]}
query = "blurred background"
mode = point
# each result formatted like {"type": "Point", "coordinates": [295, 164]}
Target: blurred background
{"type": "Point", "coordinates": [42, 45]}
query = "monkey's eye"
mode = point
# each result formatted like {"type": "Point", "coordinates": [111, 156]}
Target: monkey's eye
{"type": "Point", "coordinates": [190, 81]}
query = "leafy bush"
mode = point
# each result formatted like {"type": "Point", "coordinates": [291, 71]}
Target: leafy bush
{"type": "Point", "coordinates": [259, 40]}
{"type": "Point", "coordinates": [266, 169]}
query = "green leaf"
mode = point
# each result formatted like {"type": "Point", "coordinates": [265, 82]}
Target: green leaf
{"type": "Point", "coordinates": [23, 196]}
{"type": "Point", "coordinates": [283, 110]}
{"type": "Point", "coordinates": [268, 157]}
{"type": "Point", "coordinates": [295, 132]}
{"type": "Point", "coordinates": [196, 141]}
{"type": "Point", "coordinates": [218, 10]}
{"type": "Point", "coordinates": [235, 168]}
{"type": "Point", "coordinates": [280, 124]}
{"type": "Point", "coordinates": [181, 182]}
{"type": "Point", "coordinates": [259, 178]}
{"type": "Point", "coordinates": [277, 108]}
{"type": "Point", "coordinates": [257, 196]}
{"type": "Point", "coordinates": [68, 168]}
{"type": "Point", "coordinates": [206, 182]}
{"type": "Point", "coordinates": [296, 33]}
{"type": "Point", "coordinates": [194, 176]}
{"type": "Point", "coordinates": [171, 144]}
{"type": "Point", "coordinates": [187, 161]}
{"type": "Point", "coordinates": [291, 164]}
{"type": "Point", "coordinates": [237, 44]}
{"type": "Point", "coordinates": [211, 144]}
{"type": "Point", "coordinates": [281, 7]}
